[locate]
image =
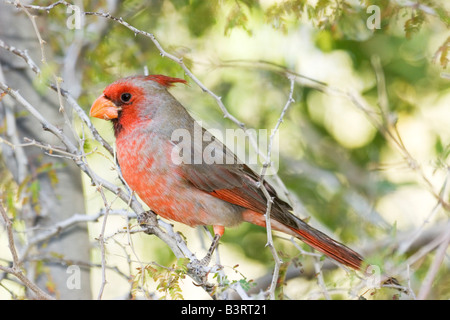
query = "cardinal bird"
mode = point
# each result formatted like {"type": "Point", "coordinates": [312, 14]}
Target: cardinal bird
{"type": "Point", "coordinates": [144, 116]}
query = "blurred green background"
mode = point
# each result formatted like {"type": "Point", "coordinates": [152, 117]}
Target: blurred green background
{"type": "Point", "coordinates": [365, 176]}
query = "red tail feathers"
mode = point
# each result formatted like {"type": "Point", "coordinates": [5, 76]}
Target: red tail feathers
{"type": "Point", "coordinates": [290, 224]}
{"type": "Point", "coordinates": [328, 246]}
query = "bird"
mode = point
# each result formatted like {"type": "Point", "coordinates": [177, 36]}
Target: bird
{"type": "Point", "coordinates": [144, 116]}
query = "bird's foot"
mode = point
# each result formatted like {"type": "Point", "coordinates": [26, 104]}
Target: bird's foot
{"type": "Point", "coordinates": [147, 220]}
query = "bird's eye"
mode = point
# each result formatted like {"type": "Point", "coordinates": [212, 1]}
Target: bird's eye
{"type": "Point", "coordinates": [125, 97]}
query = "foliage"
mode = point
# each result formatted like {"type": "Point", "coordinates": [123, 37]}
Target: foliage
{"type": "Point", "coordinates": [167, 279]}
{"type": "Point", "coordinates": [342, 164]}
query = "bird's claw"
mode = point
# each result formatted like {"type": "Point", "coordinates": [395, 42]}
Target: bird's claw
{"type": "Point", "coordinates": [145, 221]}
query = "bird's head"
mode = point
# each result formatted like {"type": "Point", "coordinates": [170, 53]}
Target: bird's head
{"type": "Point", "coordinates": [131, 99]}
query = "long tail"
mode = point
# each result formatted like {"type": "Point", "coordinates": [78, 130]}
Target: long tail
{"type": "Point", "coordinates": [330, 247]}
{"type": "Point", "coordinates": [294, 226]}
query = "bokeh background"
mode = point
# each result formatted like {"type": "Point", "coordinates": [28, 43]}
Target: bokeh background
{"type": "Point", "coordinates": [363, 150]}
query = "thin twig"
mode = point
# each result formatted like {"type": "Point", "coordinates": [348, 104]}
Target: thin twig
{"type": "Point", "coordinates": [101, 240]}
{"type": "Point", "coordinates": [434, 268]}
{"type": "Point", "coordinates": [179, 61]}
{"type": "Point", "coordinates": [16, 268]}
{"type": "Point", "coordinates": [320, 280]}
{"type": "Point", "coordinates": [267, 164]}
{"type": "Point", "coordinates": [23, 54]}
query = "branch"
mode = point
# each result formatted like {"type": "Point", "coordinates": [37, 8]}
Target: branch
{"type": "Point", "coordinates": [180, 62]}
{"type": "Point", "coordinates": [23, 54]}
{"type": "Point", "coordinates": [173, 240]}
{"type": "Point", "coordinates": [267, 164]}
{"type": "Point", "coordinates": [64, 93]}
{"type": "Point", "coordinates": [434, 268]}
{"type": "Point", "coordinates": [386, 125]}
{"type": "Point", "coordinates": [16, 265]}
{"type": "Point", "coordinates": [382, 120]}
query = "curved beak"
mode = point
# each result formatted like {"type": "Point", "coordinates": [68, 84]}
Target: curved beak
{"type": "Point", "coordinates": [103, 108]}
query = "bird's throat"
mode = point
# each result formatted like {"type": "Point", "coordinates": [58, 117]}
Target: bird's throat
{"type": "Point", "coordinates": [117, 126]}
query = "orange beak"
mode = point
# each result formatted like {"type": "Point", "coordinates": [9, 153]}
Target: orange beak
{"type": "Point", "coordinates": [104, 108]}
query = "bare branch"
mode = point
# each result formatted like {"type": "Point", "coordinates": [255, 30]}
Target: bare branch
{"type": "Point", "coordinates": [23, 54]}
{"type": "Point", "coordinates": [267, 164]}
{"type": "Point", "coordinates": [16, 267]}
{"type": "Point", "coordinates": [432, 272]}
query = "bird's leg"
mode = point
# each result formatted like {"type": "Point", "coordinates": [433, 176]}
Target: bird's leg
{"type": "Point", "coordinates": [207, 259]}
{"type": "Point", "coordinates": [218, 232]}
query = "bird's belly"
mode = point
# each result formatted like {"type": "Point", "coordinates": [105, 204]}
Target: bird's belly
{"type": "Point", "coordinates": [155, 179]}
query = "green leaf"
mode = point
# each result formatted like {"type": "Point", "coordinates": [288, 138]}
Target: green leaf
{"type": "Point", "coordinates": [322, 5]}
{"type": "Point", "coordinates": [236, 18]}
{"type": "Point", "coordinates": [414, 24]}
{"type": "Point", "coordinates": [443, 15]}
{"type": "Point", "coordinates": [324, 41]}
